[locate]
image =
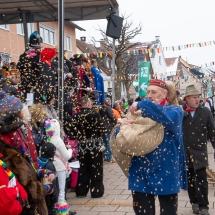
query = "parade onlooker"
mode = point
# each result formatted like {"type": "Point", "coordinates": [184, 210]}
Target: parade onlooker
{"type": "Point", "coordinates": [116, 112]}
{"type": "Point", "coordinates": [46, 169]}
{"type": "Point", "coordinates": [210, 104]}
{"type": "Point", "coordinates": [180, 102]}
{"type": "Point", "coordinates": [10, 85]}
{"type": "Point", "coordinates": [12, 195]}
{"type": "Point", "coordinates": [38, 117]}
{"type": "Point", "coordinates": [98, 83]}
{"type": "Point", "coordinates": [68, 114]}
{"type": "Point", "coordinates": [61, 157]}
{"type": "Point", "coordinates": [1, 72]}
{"type": "Point", "coordinates": [109, 121]}
{"type": "Point", "coordinates": [17, 159]}
{"type": "Point", "coordinates": [88, 128]}
{"type": "Point", "coordinates": [161, 172]}
{"type": "Point", "coordinates": [198, 128]}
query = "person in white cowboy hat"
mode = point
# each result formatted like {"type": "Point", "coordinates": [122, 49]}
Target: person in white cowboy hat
{"type": "Point", "coordinates": [198, 128]}
{"type": "Point", "coordinates": [161, 172]}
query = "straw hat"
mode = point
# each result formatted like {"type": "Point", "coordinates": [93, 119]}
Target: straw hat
{"type": "Point", "coordinates": [191, 91]}
{"type": "Point", "coordinates": [137, 139]}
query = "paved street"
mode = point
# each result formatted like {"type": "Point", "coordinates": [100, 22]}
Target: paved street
{"type": "Point", "coordinates": [117, 199]}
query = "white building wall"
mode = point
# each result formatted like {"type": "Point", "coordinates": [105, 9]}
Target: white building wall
{"type": "Point", "coordinates": [158, 62]}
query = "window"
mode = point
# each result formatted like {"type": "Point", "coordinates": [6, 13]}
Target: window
{"type": "Point", "coordinates": [20, 28]}
{"type": "Point", "coordinates": [6, 27]}
{"type": "Point", "coordinates": [108, 84]}
{"type": "Point", "coordinates": [48, 34]}
{"type": "Point", "coordinates": [67, 43]}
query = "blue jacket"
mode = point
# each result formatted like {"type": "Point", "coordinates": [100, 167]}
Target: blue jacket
{"type": "Point", "coordinates": [99, 85]}
{"type": "Point", "coordinates": [163, 171]}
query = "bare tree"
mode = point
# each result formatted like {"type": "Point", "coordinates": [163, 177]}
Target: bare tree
{"type": "Point", "coordinates": [129, 70]}
{"type": "Point", "coordinates": [123, 64]}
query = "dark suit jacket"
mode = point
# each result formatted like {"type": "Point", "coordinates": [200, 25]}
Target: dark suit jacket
{"type": "Point", "coordinates": [197, 130]}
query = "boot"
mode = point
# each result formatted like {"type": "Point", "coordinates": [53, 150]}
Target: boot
{"type": "Point", "coordinates": [195, 208]}
{"type": "Point", "coordinates": [62, 208]}
{"type": "Point", "coordinates": [204, 212]}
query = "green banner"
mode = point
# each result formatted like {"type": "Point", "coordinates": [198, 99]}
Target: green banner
{"type": "Point", "coordinates": [143, 74]}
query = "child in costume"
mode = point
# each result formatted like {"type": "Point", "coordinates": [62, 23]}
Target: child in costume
{"type": "Point", "coordinates": [47, 172]}
{"type": "Point", "coordinates": [61, 157]}
{"type": "Point", "coordinates": [12, 195]}
{"type": "Point", "coordinates": [68, 114]}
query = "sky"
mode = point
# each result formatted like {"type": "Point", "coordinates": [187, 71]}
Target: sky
{"type": "Point", "coordinates": [176, 22]}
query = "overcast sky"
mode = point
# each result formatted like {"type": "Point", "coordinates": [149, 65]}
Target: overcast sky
{"type": "Point", "coordinates": [176, 22]}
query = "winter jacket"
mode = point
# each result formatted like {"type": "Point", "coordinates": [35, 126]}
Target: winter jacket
{"type": "Point", "coordinates": [109, 119]}
{"type": "Point", "coordinates": [9, 203]}
{"type": "Point", "coordinates": [10, 88]}
{"type": "Point", "coordinates": [197, 130]}
{"type": "Point", "coordinates": [162, 171]}
{"type": "Point", "coordinates": [62, 155]}
{"type": "Point", "coordinates": [51, 199]}
{"type": "Point", "coordinates": [39, 135]}
{"type": "Point", "coordinates": [116, 114]}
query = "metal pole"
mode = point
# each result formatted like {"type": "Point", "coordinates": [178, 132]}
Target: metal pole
{"type": "Point", "coordinates": [60, 57]}
{"type": "Point", "coordinates": [113, 72]}
{"type": "Point", "coordinates": [25, 28]}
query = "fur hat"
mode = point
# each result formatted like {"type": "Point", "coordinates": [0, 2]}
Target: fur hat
{"type": "Point", "coordinates": [7, 101]}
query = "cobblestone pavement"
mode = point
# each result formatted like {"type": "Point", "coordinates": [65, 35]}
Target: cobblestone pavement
{"type": "Point", "coordinates": [117, 199]}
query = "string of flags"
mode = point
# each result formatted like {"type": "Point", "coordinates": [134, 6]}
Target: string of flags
{"type": "Point", "coordinates": [151, 51]}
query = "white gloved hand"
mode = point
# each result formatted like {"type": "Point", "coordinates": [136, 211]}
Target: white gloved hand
{"type": "Point", "coordinates": [88, 89]}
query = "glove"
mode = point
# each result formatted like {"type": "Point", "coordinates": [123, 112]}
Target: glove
{"type": "Point", "coordinates": [88, 89]}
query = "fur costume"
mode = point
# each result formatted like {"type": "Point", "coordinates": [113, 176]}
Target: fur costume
{"type": "Point", "coordinates": [47, 78]}
{"type": "Point", "coordinates": [27, 178]}
{"type": "Point", "coordinates": [29, 63]}
{"type": "Point", "coordinates": [20, 167]}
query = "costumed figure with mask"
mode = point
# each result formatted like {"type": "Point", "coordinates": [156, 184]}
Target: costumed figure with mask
{"type": "Point", "coordinates": [83, 79]}
{"type": "Point", "coordinates": [98, 83]}
{"type": "Point", "coordinates": [47, 78]}
{"type": "Point", "coordinates": [29, 63]}
{"type": "Point", "coordinates": [159, 170]}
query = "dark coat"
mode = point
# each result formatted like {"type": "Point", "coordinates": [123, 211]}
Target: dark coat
{"type": "Point", "coordinates": [10, 88]}
{"type": "Point", "coordinates": [197, 130]}
{"type": "Point", "coordinates": [86, 124]}
{"type": "Point", "coordinates": [108, 117]}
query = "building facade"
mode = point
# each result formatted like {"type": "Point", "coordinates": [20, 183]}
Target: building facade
{"type": "Point", "coordinates": [12, 38]}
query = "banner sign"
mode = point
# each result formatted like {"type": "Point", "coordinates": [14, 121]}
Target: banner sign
{"type": "Point", "coordinates": [143, 74]}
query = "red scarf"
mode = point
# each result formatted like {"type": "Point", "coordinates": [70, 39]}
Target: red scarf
{"type": "Point", "coordinates": [189, 109]}
{"type": "Point", "coordinates": [164, 102]}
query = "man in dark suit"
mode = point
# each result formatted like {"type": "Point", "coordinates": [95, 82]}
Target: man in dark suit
{"type": "Point", "coordinates": [198, 128]}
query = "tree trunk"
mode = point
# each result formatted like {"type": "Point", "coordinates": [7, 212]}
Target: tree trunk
{"type": "Point", "coordinates": [118, 79]}
{"type": "Point", "coordinates": [127, 88]}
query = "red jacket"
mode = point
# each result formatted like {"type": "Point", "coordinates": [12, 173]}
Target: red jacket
{"type": "Point", "coordinates": [9, 205]}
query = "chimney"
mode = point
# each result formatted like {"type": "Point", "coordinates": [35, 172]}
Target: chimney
{"type": "Point", "coordinates": [157, 38]}
{"type": "Point", "coordinates": [83, 39]}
